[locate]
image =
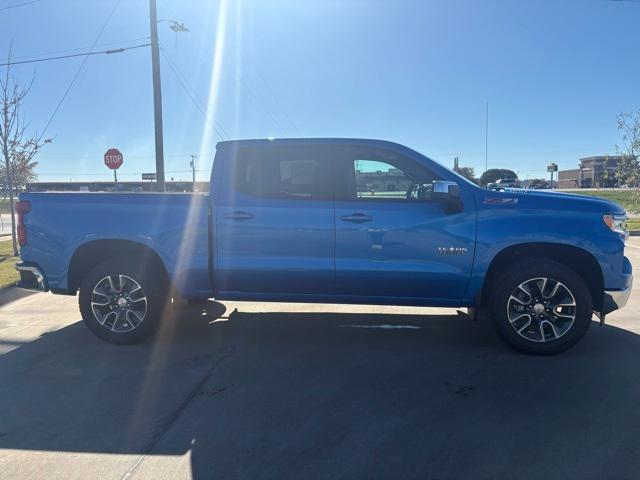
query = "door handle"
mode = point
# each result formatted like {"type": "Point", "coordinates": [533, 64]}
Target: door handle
{"type": "Point", "coordinates": [239, 216]}
{"type": "Point", "coordinates": [356, 218]}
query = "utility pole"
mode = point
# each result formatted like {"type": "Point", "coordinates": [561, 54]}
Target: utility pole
{"type": "Point", "coordinates": [486, 138]}
{"type": "Point", "coordinates": [193, 171]}
{"type": "Point", "coordinates": [157, 95]}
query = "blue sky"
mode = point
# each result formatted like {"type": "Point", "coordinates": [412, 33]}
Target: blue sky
{"type": "Point", "coordinates": [555, 75]}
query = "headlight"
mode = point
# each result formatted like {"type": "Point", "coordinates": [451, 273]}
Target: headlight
{"type": "Point", "coordinates": [617, 223]}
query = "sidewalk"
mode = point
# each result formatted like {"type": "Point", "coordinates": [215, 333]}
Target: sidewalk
{"type": "Point", "coordinates": [5, 224]}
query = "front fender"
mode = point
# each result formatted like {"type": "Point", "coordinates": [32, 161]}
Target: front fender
{"type": "Point", "coordinates": [500, 228]}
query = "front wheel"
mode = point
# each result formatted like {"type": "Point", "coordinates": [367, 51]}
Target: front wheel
{"type": "Point", "coordinates": [122, 302]}
{"type": "Point", "coordinates": [541, 307]}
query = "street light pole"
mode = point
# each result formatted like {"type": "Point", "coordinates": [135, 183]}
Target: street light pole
{"type": "Point", "coordinates": [157, 95]}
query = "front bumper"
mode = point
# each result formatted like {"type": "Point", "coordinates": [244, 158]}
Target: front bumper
{"type": "Point", "coordinates": [32, 278]}
{"type": "Point", "coordinates": [615, 299]}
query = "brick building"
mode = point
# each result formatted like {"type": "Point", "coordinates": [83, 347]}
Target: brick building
{"type": "Point", "coordinates": [593, 172]}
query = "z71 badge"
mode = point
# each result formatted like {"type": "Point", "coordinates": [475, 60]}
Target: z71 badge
{"type": "Point", "coordinates": [452, 250]}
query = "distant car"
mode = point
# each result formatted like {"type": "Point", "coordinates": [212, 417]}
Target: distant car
{"type": "Point", "coordinates": [506, 184]}
{"type": "Point", "coordinates": [292, 220]}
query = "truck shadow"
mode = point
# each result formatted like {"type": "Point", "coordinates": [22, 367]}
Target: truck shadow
{"type": "Point", "coordinates": [308, 395]}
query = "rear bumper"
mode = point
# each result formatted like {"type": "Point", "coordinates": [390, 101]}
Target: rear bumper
{"type": "Point", "coordinates": [32, 278]}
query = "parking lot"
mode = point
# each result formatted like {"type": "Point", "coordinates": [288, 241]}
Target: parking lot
{"type": "Point", "coordinates": [312, 391]}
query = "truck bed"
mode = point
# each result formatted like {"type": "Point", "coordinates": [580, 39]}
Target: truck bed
{"type": "Point", "coordinates": [174, 225]}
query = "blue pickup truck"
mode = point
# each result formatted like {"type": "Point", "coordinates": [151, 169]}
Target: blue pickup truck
{"type": "Point", "coordinates": [332, 221]}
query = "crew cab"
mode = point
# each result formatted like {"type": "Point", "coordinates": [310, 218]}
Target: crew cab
{"type": "Point", "coordinates": [332, 221]}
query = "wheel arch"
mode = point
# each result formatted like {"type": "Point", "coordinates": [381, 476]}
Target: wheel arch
{"type": "Point", "coordinates": [90, 254]}
{"type": "Point", "coordinates": [576, 258]}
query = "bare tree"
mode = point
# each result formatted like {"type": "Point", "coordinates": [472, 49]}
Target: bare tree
{"type": "Point", "coordinates": [467, 172]}
{"type": "Point", "coordinates": [18, 147]}
{"type": "Point", "coordinates": [629, 127]}
{"type": "Point", "coordinates": [628, 171]}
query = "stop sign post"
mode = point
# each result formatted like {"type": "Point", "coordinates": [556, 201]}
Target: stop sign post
{"type": "Point", "coordinates": [113, 159]}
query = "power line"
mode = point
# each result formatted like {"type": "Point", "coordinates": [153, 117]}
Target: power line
{"type": "Point", "coordinates": [79, 49]}
{"type": "Point", "coordinates": [86, 54]}
{"type": "Point", "coordinates": [191, 94]}
{"type": "Point", "coordinates": [73, 80]}
{"type": "Point", "coordinates": [19, 5]}
{"type": "Point", "coordinates": [269, 91]}
{"type": "Point", "coordinates": [275, 100]}
{"type": "Point", "coordinates": [249, 90]}
{"type": "Point", "coordinates": [250, 94]}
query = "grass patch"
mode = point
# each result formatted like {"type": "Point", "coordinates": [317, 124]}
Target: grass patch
{"type": "Point", "coordinates": [8, 274]}
{"type": "Point", "coordinates": [628, 199]}
{"type": "Point", "coordinates": [633, 224]}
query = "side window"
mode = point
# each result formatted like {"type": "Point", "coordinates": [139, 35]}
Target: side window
{"type": "Point", "coordinates": [298, 177]}
{"type": "Point", "coordinates": [283, 176]}
{"type": "Point", "coordinates": [376, 179]}
{"type": "Point", "coordinates": [389, 180]}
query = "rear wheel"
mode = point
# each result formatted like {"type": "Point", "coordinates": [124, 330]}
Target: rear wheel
{"type": "Point", "coordinates": [122, 302]}
{"type": "Point", "coordinates": [541, 307]}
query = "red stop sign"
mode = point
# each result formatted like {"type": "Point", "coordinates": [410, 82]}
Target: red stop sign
{"type": "Point", "coordinates": [113, 158]}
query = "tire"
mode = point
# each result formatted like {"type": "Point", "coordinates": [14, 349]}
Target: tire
{"type": "Point", "coordinates": [522, 294]}
{"type": "Point", "coordinates": [122, 321]}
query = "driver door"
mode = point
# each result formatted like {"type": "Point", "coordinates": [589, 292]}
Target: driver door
{"type": "Point", "coordinates": [390, 235]}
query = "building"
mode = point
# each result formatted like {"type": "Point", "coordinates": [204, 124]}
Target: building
{"type": "Point", "coordinates": [570, 178]}
{"type": "Point", "coordinates": [392, 180]}
{"type": "Point", "coordinates": [113, 187]}
{"type": "Point", "coordinates": [596, 171]}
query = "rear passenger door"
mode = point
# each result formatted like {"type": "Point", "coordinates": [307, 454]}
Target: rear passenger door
{"type": "Point", "coordinates": [275, 224]}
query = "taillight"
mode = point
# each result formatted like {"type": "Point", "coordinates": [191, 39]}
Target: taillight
{"type": "Point", "coordinates": [22, 208]}
{"type": "Point", "coordinates": [21, 230]}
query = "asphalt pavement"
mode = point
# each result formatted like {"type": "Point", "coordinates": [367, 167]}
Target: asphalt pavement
{"type": "Point", "coordinates": [280, 391]}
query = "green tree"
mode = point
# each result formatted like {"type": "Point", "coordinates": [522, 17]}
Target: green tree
{"type": "Point", "coordinates": [494, 174]}
{"type": "Point", "coordinates": [628, 171]}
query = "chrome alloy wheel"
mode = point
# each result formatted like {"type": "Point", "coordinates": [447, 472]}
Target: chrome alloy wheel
{"type": "Point", "coordinates": [541, 309]}
{"type": "Point", "coordinates": [119, 303]}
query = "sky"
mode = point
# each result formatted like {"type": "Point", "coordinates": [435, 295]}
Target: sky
{"type": "Point", "coordinates": [555, 75]}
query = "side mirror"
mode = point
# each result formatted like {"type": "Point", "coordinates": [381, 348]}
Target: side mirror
{"type": "Point", "coordinates": [449, 194]}
{"type": "Point", "coordinates": [443, 189]}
